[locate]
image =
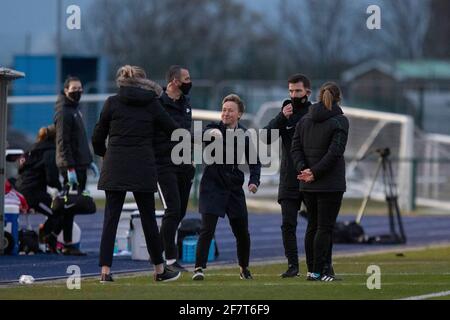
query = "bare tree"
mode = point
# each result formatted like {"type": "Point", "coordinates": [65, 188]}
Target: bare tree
{"type": "Point", "coordinates": [213, 38]}
{"type": "Point", "coordinates": [405, 25]}
{"type": "Point", "coordinates": [317, 33]}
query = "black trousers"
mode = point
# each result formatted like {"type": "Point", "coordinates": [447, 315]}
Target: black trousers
{"type": "Point", "coordinates": [67, 218]}
{"type": "Point", "coordinates": [239, 226]}
{"type": "Point", "coordinates": [113, 208]}
{"type": "Point", "coordinates": [289, 213]}
{"type": "Point", "coordinates": [175, 186]}
{"type": "Point", "coordinates": [41, 202]}
{"type": "Point", "coordinates": [323, 209]}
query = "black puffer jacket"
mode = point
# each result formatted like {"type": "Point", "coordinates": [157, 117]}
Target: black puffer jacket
{"type": "Point", "coordinates": [221, 185]}
{"type": "Point", "coordinates": [129, 120]}
{"type": "Point", "coordinates": [288, 187]}
{"type": "Point", "coordinates": [39, 169]}
{"type": "Point", "coordinates": [181, 113]}
{"type": "Point", "coordinates": [72, 145]}
{"type": "Point", "coordinates": [319, 143]}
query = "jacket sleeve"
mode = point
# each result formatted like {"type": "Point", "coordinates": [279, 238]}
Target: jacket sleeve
{"type": "Point", "coordinates": [101, 130]}
{"type": "Point", "coordinates": [255, 168]}
{"type": "Point", "coordinates": [64, 122]}
{"type": "Point", "coordinates": [297, 153]}
{"type": "Point", "coordinates": [277, 123]}
{"type": "Point", "coordinates": [335, 150]}
{"type": "Point", "coordinates": [51, 170]}
{"type": "Point", "coordinates": [163, 120]}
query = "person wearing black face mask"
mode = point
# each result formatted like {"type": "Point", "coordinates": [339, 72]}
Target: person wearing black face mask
{"type": "Point", "coordinates": [289, 196]}
{"type": "Point", "coordinates": [73, 155]}
{"type": "Point", "coordinates": [174, 181]}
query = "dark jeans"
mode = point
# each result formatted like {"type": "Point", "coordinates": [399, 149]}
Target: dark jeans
{"type": "Point", "coordinates": [113, 208]}
{"type": "Point", "coordinates": [175, 187]}
{"type": "Point", "coordinates": [239, 226]}
{"type": "Point", "coordinates": [67, 219]}
{"type": "Point", "coordinates": [323, 209]}
{"type": "Point", "coordinates": [289, 213]}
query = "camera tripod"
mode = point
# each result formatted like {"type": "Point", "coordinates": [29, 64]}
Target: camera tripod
{"type": "Point", "coordinates": [391, 196]}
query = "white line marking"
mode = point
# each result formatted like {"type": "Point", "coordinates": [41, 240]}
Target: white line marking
{"type": "Point", "coordinates": [428, 296]}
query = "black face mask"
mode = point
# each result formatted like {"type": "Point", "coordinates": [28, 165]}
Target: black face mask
{"type": "Point", "coordinates": [299, 102]}
{"type": "Point", "coordinates": [186, 87]}
{"type": "Point", "coordinates": [75, 95]}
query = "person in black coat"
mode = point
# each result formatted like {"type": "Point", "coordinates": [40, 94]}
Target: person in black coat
{"type": "Point", "coordinates": [174, 180]}
{"type": "Point", "coordinates": [318, 152]}
{"type": "Point", "coordinates": [128, 121]}
{"type": "Point", "coordinates": [73, 155]}
{"type": "Point", "coordinates": [36, 172]}
{"type": "Point", "coordinates": [221, 190]}
{"type": "Point", "coordinates": [289, 197]}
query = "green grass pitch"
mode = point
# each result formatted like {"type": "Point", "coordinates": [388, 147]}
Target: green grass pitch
{"type": "Point", "coordinates": [411, 274]}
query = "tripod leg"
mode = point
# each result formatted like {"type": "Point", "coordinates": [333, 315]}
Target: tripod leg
{"type": "Point", "coordinates": [394, 206]}
{"type": "Point", "coordinates": [388, 192]}
{"type": "Point", "coordinates": [367, 197]}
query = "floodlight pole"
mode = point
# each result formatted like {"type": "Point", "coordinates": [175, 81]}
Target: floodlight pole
{"type": "Point", "coordinates": [6, 76]}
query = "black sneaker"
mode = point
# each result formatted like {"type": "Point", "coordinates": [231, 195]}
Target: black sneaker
{"type": "Point", "coordinates": [328, 278]}
{"type": "Point", "coordinates": [105, 278]}
{"type": "Point", "coordinates": [167, 276]}
{"type": "Point", "coordinates": [72, 251]}
{"type": "Point", "coordinates": [198, 274]}
{"type": "Point", "coordinates": [291, 272]}
{"type": "Point", "coordinates": [176, 267]}
{"type": "Point", "coordinates": [246, 275]}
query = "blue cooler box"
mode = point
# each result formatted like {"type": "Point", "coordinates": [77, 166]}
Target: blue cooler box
{"type": "Point", "coordinates": [190, 247]}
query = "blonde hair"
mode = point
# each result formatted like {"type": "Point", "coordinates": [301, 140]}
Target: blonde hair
{"type": "Point", "coordinates": [127, 71]}
{"type": "Point", "coordinates": [330, 94]}
{"type": "Point", "coordinates": [236, 99]}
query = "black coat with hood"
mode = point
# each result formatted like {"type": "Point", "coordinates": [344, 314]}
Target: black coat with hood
{"type": "Point", "coordinates": [221, 185]}
{"type": "Point", "coordinates": [39, 169]}
{"type": "Point", "coordinates": [128, 120]}
{"type": "Point", "coordinates": [181, 112]}
{"type": "Point", "coordinates": [72, 144]}
{"type": "Point", "coordinates": [288, 187]}
{"type": "Point", "coordinates": [319, 144]}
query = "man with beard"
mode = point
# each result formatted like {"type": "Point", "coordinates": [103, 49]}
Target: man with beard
{"type": "Point", "coordinates": [174, 181]}
{"type": "Point", "coordinates": [289, 196]}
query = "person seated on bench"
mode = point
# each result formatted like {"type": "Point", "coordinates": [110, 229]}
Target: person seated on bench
{"type": "Point", "coordinates": [37, 171]}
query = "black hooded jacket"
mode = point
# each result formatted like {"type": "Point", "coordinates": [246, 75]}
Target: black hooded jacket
{"type": "Point", "coordinates": [128, 119]}
{"type": "Point", "coordinates": [181, 113]}
{"type": "Point", "coordinates": [319, 143]}
{"type": "Point", "coordinates": [72, 144]}
{"type": "Point", "coordinates": [39, 169]}
{"type": "Point", "coordinates": [288, 187]}
{"type": "Point", "coordinates": [221, 185]}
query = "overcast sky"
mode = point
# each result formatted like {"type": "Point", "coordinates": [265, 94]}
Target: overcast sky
{"type": "Point", "coordinates": [32, 24]}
